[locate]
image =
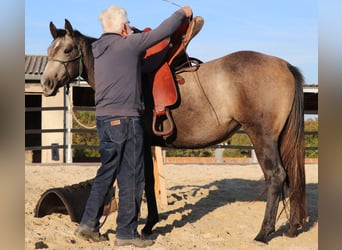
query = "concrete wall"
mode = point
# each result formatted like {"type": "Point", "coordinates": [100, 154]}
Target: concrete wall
{"type": "Point", "coordinates": [52, 120]}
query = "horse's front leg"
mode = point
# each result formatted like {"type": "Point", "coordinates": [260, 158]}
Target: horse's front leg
{"type": "Point", "coordinates": [152, 217]}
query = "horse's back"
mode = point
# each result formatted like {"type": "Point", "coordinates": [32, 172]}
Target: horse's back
{"type": "Point", "coordinates": [243, 88]}
{"type": "Point", "coordinates": [258, 85]}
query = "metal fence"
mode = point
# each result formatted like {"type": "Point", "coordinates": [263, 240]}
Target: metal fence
{"type": "Point", "coordinates": [71, 146]}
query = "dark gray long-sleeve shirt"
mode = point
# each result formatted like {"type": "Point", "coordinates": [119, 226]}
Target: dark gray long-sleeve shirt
{"type": "Point", "coordinates": [117, 68]}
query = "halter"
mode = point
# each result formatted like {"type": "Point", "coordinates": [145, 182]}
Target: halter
{"type": "Point", "coordinates": [65, 62]}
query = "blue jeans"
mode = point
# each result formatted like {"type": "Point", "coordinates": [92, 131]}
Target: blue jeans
{"type": "Point", "coordinates": [121, 149]}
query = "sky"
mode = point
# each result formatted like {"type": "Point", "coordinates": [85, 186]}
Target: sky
{"type": "Point", "coordinates": [286, 29]}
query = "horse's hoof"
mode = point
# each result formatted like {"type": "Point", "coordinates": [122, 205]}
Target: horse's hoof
{"type": "Point", "coordinates": [261, 238]}
{"type": "Point", "coordinates": [292, 233]}
{"type": "Point", "coordinates": [147, 230]}
{"type": "Point", "coordinates": [263, 234]}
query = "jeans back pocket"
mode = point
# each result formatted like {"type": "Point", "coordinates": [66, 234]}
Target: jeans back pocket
{"type": "Point", "coordinates": [116, 129]}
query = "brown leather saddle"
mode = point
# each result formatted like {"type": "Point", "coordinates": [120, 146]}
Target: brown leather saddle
{"type": "Point", "coordinates": [164, 89]}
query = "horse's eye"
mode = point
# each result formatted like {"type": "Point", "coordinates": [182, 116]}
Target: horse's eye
{"type": "Point", "coordinates": [67, 51]}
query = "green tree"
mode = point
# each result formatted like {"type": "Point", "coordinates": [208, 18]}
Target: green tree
{"type": "Point", "coordinates": [311, 137]}
{"type": "Point", "coordinates": [241, 139]}
{"type": "Point", "coordinates": [89, 139]}
{"type": "Point", "coordinates": [205, 152]}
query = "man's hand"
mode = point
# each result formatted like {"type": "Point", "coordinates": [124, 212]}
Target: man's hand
{"type": "Point", "coordinates": [188, 11]}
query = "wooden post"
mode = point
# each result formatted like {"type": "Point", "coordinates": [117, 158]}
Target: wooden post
{"type": "Point", "coordinates": [159, 177]}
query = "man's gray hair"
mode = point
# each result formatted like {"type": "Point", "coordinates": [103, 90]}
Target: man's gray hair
{"type": "Point", "coordinates": [112, 19]}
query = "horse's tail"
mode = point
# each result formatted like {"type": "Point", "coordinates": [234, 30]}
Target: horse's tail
{"type": "Point", "coordinates": [292, 152]}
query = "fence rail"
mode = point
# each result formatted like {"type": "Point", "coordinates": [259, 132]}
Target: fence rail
{"type": "Point", "coordinates": [94, 131]}
{"type": "Point", "coordinates": [76, 130]}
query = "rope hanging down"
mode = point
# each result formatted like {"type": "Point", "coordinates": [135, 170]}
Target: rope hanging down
{"type": "Point", "coordinates": [75, 118]}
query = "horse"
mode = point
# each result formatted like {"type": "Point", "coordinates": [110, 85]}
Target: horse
{"type": "Point", "coordinates": [260, 93]}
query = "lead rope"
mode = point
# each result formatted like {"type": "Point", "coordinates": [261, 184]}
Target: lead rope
{"type": "Point", "coordinates": [74, 115]}
{"type": "Point", "coordinates": [80, 70]}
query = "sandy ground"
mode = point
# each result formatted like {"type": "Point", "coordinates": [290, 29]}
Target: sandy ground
{"type": "Point", "coordinates": [209, 207]}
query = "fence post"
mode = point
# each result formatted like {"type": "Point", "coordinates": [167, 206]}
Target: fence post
{"type": "Point", "coordinates": [218, 154]}
{"type": "Point", "coordinates": [68, 121]}
{"type": "Point", "coordinates": [253, 156]}
{"type": "Point", "coordinates": [160, 187]}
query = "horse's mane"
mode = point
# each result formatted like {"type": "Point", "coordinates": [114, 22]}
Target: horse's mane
{"type": "Point", "coordinates": [87, 38]}
{"type": "Point", "coordinates": [84, 39]}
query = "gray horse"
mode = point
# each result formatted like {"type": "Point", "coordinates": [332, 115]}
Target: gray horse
{"type": "Point", "coordinates": [262, 94]}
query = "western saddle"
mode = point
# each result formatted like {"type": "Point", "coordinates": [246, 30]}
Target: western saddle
{"type": "Point", "coordinates": [164, 89]}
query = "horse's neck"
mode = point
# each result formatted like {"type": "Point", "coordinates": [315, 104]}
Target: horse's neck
{"type": "Point", "coordinates": [89, 72]}
{"type": "Point", "coordinates": [88, 60]}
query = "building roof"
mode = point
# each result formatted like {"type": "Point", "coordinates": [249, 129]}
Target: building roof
{"type": "Point", "coordinates": [34, 66]}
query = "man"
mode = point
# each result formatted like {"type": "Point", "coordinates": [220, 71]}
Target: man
{"type": "Point", "coordinates": [118, 56]}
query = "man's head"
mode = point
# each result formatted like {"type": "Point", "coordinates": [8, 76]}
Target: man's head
{"type": "Point", "coordinates": [114, 20]}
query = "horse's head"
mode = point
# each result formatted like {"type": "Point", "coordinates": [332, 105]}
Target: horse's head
{"type": "Point", "coordinates": [64, 60]}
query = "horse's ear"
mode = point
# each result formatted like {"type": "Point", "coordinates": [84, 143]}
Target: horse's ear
{"type": "Point", "coordinates": [53, 30]}
{"type": "Point", "coordinates": [68, 28]}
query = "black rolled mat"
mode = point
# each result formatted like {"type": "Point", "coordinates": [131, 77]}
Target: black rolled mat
{"type": "Point", "coordinates": [71, 200]}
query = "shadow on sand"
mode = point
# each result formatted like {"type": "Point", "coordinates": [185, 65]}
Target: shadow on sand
{"type": "Point", "coordinates": [223, 192]}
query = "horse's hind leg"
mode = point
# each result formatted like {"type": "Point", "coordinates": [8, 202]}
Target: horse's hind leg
{"type": "Point", "coordinates": [275, 175]}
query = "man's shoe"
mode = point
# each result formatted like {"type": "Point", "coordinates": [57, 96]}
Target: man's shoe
{"type": "Point", "coordinates": [137, 242]}
{"type": "Point", "coordinates": [87, 234]}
